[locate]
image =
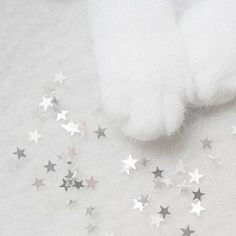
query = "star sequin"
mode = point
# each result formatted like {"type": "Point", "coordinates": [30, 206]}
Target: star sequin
{"type": "Point", "coordinates": [46, 103]}
{"type": "Point", "coordinates": [65, 185]}
{"type": "Point", "coordinates": [157, 173]}
{"type": "Point", "coordinates": [50, 166]}
{"type": "Point", "coordinates": [34, 136]}
{"type": "Point", "coordinates": [197, 208]}
{"type": "Point", "coordinates": [71, 128]}
{"type": "Point", "coordinates": [130, 162]}
{"type": "Point", "coordinates": [62, 115]}
{"type": "Point", "coordinates": [60, 77]}
{"type": "Point", "coordinates": [89, 210]}
{"type": "Point", "coordinates": [91, 182]}
{"type": "Point", "coordinates": [138, 205]}
{"type": "Point", "coordinates": [180, 168]}
{"type": "Point", "coordinates": [164, 211]}
{"type": "Point", "coordinates": [206, 143]}
{"type": "Point", "coordinates": [20, 153]}
{"type": "Point", "coordinates": [38, 183]}
{"type": "Point", "coordinates": [156, 220]}
{"type": "Point", "coordinates": [195, 176]}
{"type": "Point", "coordinates": [198, 195]}
{"type": "Point", "coordinates": [187, 231]}
{"type": "Point", "coordinates": [145, 200]}
{"type": "Point", "coordinates": [100, 132]}
{"type": "Point", "coordinates": [78, 184]}
{"type": "Point", "coordinates": [70, 175]}
{"type": "Point", "coordinates": [91, 228]}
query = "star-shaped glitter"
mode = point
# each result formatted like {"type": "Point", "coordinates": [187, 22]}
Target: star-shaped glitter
{"type": "Point", "coordinates": [164, 211]}
{"type": "Point", "coordinates": [144, 200]}
{"type": "Point", "coordinates": [157, 172]}
{"type": "Point", "coordinates": [72, 204]}
{"type": "Point", "coordinates": [34, 136]}
{"type": "Point", "coordinates": [180, 168]}
{"type": "Point", "coordinates": [19, 152]}
{"type": "Point", "coordinates": [233, 130]}
{"type": "Point", "coordinates": [60, 77]}
{"type": "Point", "coordinates": [65, 185]}
{"type": "Point", "coordinates": [130, 162]}
{"type": "Point", "coordinates": [198, 195]}
{"type": "Point", "coordinates": [138, 205]}
{"type": "Point", "coordinates": [206, 143]}
{"type": "Point", "coordinates": [89, 210]}
{"type": "Point", "coordinates": [197, 208]}
{"type": "Point", "coordinates": [156, 220]}
{"type": "Point", "coordinates": [46, 103]}
{"type": "Point", "coordinates": [195, 176]}
{"type": "Point", "coordinates": [91, 228]}
{"type": "Point", "coordinates": [167, 181]}
{"type": "Point", "coordinates": [144, 162]}
{"type": "Point", "coordinates": [71, 127]}
{"type": "Point", "coordinates": [71, 175]}
{"type": "Point", "coordinates": [78, 184]}
{"type": "Point", "coordinates": [91, 182]}
{"type": "Point", "coordinates": [187, 231]}
{"type": "Point", "coordinates": [62, 115]}
{"type": "Point", "coordinates": [38, 183]}
{"type": "Point", "coordinates": [184, 187]}
{"type": "Point", "coordinates": [100, 132]}
{"type": "Point", "coordinates": [50, 166]}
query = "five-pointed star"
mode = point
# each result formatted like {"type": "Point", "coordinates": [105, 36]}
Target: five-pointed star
{"type": "Point", "coordinates": [187, 231]}
{"type": "Point", "coordinates": [60, 77]}
{"type": "Point", "coordinates": [164, 211]}
{"type": "Point", "coordinates": [34, 136]}
{"type": "Point", "coordinates": [180, 168]}
{"type": "Point", "coordinates": [38, 183]}
{"type": "Point", "coordinates": [197, 208]}
{"type": "Point", "coordinates": [156, 220]}
{"type": "Point", "coordinates": [91, 228]}
{"type": "Point", "coordinates": [130, 163]}
{"type": "Point", "coordinates": [198, 195]}
{"type": "Point", "coordinates": [91, 182]}
{"type": "Point", "coordinates": [62, 115]}
{"type": "Point", "coordinates": [47, 102]}
{"type": "Point", "coordinates": [65, 185]}
{"type": "Point", "coordinates": [71, 127]}
{"type": "Point", "coordinates": [167, 181]}
{"type": "Point", "coordinates": [89, 210]}
{"type": "Point", "coordinates": [144, 200]}
{"type": "Point", "coordinates": [50, 166]}
{"type": "Point", "coordinates": [138, 205]}
{"type": "Point", "coordinates": [71, 175]}
{"type": "Point", "coordinates": [144, 162]}
{"type": "Point", "coordinates": [184, 187]}
{"type": "Point", "coordinates": [78, 184]}
{"type": "Point", "coordinates": [72, 203]}
{"type": "Point", "coordinates": [233, 130]}
{"type": "Point", "coordinates": [100, 132]}
{"type": "Point", "coordinates": [195, 176]}
{"type": "Point", "coordinates": [19, 152]}
{"type": "Point", "coordinates": [206, 143]}
{"type": "Point", "coordinates": [157, 172]}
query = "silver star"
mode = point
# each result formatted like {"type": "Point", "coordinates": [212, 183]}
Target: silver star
{"type": "Point", "coordinates": [197, 208]}
{"type": "Point", "coordinates": [91, 228]}
{"type": "Point", "coordinates": [138, 205]}
{"type": "Point", "coordinates": [144, 200]}
{"type": "Point", "coordinates": [65, 185]}
{"type": "Point", "coordinates": [206, 143]}
{"type": "Point", "coordinates": [38, 183]}
{"type": "Point", "coordinates": [157, 172]}
{"type": "Point", "coordinates": [89, 210]}
{"type": "Point", "coordinates": [164, 211]}
{"type": "Point", "coordinates": [71, 128]}
{"type": "Point", "coordinates": [91, 182]}
{"type": "Point", "coordinates": [62, 115]}
{"type": "Point", "coordinates": [47, 102]}
{"type": "Point", "coordinates": [167, 181]}
{"type": "Point", "coordinates": [100, 132]}
{"type": "Point", "coordinates": [198, 195]}
{"type": "Point", "coordinates": [187, 231]}
{"type": "Point", "coordinates": [130, 162]}
{"type": "Point", "coordinates": [71, 175]}
{"type": "Point", "coordinates": [34, 136]}
{"type": "Point", "coordinates": [50, 166]}
{"type": "Point", "coordinates": [20, 153]}
{"type": "Point", "coordinates": [195, 176]}
{"type": "Point", "coordinates": [78, 184]}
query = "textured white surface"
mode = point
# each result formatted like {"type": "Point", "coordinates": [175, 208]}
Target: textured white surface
{"type": "Point", "coordinates": [41, 38]}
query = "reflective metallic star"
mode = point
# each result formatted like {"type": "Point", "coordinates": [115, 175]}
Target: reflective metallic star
{"type": "Point", "coordinates": [100, 132]}
{"type": "Point", "coordinates": [72, 204]}
{"type": "Point", "coordinates": [180, 168]}
{"type": "Point", "coordinates": [78, 184]}
{"type": "Point", "coordinates": [60, 77]}
{"type": "Point", "coordinates": [138, 205]}
{"type": "Point", "coordinates": [91, 182]}
{"type": "Point", "coordinates": [195, 176]}
{"type": "Point", "coordinates": [187, 231]}
{"type": "Point", "coordinates": [65, 185]}
{"type": "Point", "coordinates": [145, 200]}
{"type": "Point", "coordinates": [184, 187]}
{"type": "Point", "coordinates": [156, 220]}
{"type": "Point", "coordinates": [38, 183]}
{"type": "Point", "coordinates": [34, 136]}
{"type": "Point", "coordinates": [130, 163]}
{"type": "Point", "coordinates": [91, 228]}
{"type": "Point", "coordinates": [46, 103]}
{"type": "Point", "coordinates": [71, 175]}
{"type": "Point", "coordinates": [164, 211]}
{"type": "Point", "coordinates": [197, 208]}
{"type": "Point", "coordinates": [89, 210]}
{"type": "Point", "coordinates": [71, 128]}
{"type": "Point", "coordinates": [157, 172]}
{"type": "Point", "coordinates": [206, 143]}
{"type": "Point", "coordinates": [144, 162]}
{"type": "Point", "coordinates": [198, 195]}
{"type": "Point", "coordinates": [19, 152]}
{"type": "Point", "coordinates": [50, 166]}
{"type": "Point", "coordinates": [62, 115]}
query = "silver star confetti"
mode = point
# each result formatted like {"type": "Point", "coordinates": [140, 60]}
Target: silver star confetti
{"type": "Point", "coordinates": [198, 195]}
{"type": "Point", "coordinates": [100, 132]}
{"type": "Point", "coordinates": [20, 153]}
{"type": "Point", "coordinates": [195, 176]}
{"type": "Point", "coordinates": [62, 115]}
{"type": "Point", "coordinates": [187, 231]}
{"type": "Point", "coordinates": [157, 173]}
{"type": "Point", "coordinates": [34, 136]}
{"type": "Point", "coordinates": [72, 204]}
{"type": "Point", "coordinates": [156, 220]}
{"type": "Point", "coordinates": [78, 184]}
{"type": "Point", "coordinates": [91, 182]}
{"type": "Point", "coordinates": [38, 183]}
{"type": "Point", "coordinates": [144, 162]}
{"type": "Point", "coordinates": [164, 211]}
{"type": "Point", "coordinates": [71, 128]}
{"type": "Point", "coordinates": [50, 166]}
{"type": "Point", "coordinates": [206, 143]}
{"type": "Point", "coordinates": [197, 208]}
{"type": "Point", "coordinates": [65, 185]}
{"type": "Point", "coordinates": [46, 103]}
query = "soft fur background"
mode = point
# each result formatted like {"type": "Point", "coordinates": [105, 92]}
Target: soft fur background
{"type": "Point", "coordinates": [40, 38]}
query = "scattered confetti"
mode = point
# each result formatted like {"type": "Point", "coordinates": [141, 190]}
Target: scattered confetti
{"type": "Point", "coordinates": [20, 153]}
{"type": "Point", "coordinates": [100, 132]}
{"type": "Point", "coordinates": [187, 231]}
{"type": "Point", "coordinates": [195, 176]}
{"type": "Point", "coordinates": [156, 220]}
{"type": "Point", "coordinates": [64, 185]}
{"type": "Point", "coordinates": [144, 162]}
{"type": "Point", "coordinates": [78, 184]}
{"type": "Point", "coordinates": [157, 173]}
{"type": "Point", "coordinates": [91, 182]}
{"type": "Point", "coordinates": [72, 204]}
{"type": "Point", "coordinates": [71, 128]}
{"type": "Point", "coordinates": [164, 211]}
{"type": "Point", "coordinates": [197, 208]}
{"type": "Point", "coordinates": [50, 166]}
{"type": "Point", "coordinates": [34, 136]}
{"type": "Point", "coordinates": [206, 143]}
{"type": "Point", "coordinates": [46, 103]}
{"type": "Point", "coordinates": [62, 115]}
{"type": "Point", "coordinates": [38, 183]}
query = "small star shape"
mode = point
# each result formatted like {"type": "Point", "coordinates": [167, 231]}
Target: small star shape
{"type": "Point", "coordinates": [46, 103]}
{"type": "Point", "coordinates": [100, 132]}
{"type": "Point", "coordinates": [89, 210]}
{"type": "Point", "coordinates": [187, 231]}
{"type": "Point", "coordinates": [129, 163]}
{"type": "Point", "coordinates": [60, 77]}
{"type": "Point", "coordinates": [71, 175]}
{"type": "Point", "coordinates": [38, 183]}
{"type": "Point", "coordinates": [65, 185]}
{"type": "Point", "coordinates": [62, 115]}
{"type": "Point", "coordinates": [198, 195]}
{"type": "Point", "coordinates": [91, 228]}
{"type": "Point", "coordinates": [144, 200]}
{"type": "Point", "coordinates": [34, 136]}
{"type": "Point", "coordinates": [206, 143]}
{"type": "Point", "coordinates": [180, 168]}
{"type": "Point", "coordinates": [19, 152]}
{"type": "Point", "coordinates": [156, 220]}
{"type": "Point", "coordinates": [197, 208]}
{"type": "Point", "coordinates": [50, 166]}
{"type": "Point", "coordinates": [71, 127]}
{"type": "Point", "coordinates": [195, 176]}
{"type": "Point", "coordinates": [78, 184]}
{"type": "Point", "coordinates": [91, 182]}
{"type": "Point", "coordinates": [164, 211]}
{"type": "Point", "coordinates": [157, 172]}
